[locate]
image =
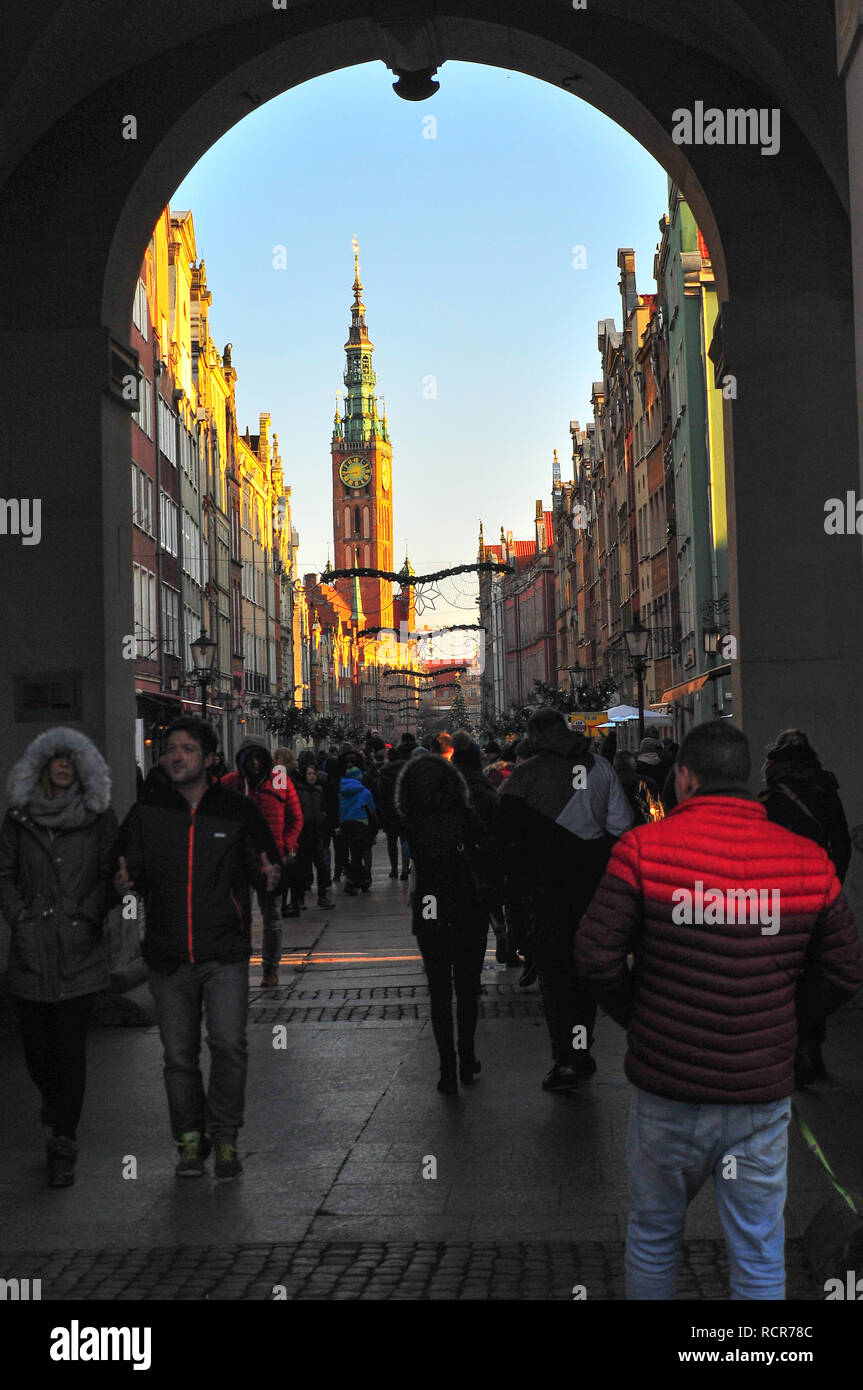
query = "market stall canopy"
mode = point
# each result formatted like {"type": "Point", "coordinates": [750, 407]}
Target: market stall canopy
{"type": "Point", "coordinates": [621, 714]}
{"type": "Point", "coordinates": [677, 692]}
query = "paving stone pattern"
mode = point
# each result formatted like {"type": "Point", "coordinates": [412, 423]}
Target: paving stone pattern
{"type": "Point", "coordinates": [403, 1270]}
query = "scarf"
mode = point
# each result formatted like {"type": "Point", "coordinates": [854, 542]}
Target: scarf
{"type": "Point", "coordinates": [64, 812]}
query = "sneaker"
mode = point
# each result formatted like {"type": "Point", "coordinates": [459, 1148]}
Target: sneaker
{"type": "Point", "coordinates": [528, 975]}
{"type": "Point", "coordinates": [405, 873]}
{"type": "Point", "coordinates": [562, 1078]}
{"type": "Point", "coordinates": [193, 1149]}
{"type": "Point", "coordinates": [393, 873]}
{"type": "Point", "coordinates": [292, 911]}
{"type": "Point", "coordinates": [304, 907]}
{"type": "Point", "coordinates": [269, 979]}
{"type": "Point", "coordinates": [350, 890]}
{"type": "Point", "coordinates": [326, 902]}
{"type": "Point", "coordinates": [61, 1154]}
{"type": "Point", "coordinates": [227, 1165]}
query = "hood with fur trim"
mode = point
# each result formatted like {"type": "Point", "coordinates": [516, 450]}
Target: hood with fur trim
{"type": "Point", "coordinates": [90, 766]}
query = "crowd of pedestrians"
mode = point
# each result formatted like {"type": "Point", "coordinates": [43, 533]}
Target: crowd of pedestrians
{"type": "Point", "coordinates": [709, 923]}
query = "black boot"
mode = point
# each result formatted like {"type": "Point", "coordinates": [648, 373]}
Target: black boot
{"type": "Point", "coordinates": [61, 1153]}
{"type": "Point", "coordinates": [468, 1069]}
{"type": "Point", "coordinates": [447, 1084]}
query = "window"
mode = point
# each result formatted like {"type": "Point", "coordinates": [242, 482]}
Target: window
{"type": "Point", "coordinates": [143, 416]}
{"type": "Point", "coordinates": [144, 594]}
{"type": "Point", "coordinates": [367, 561]}
{"type": "Point", "coordinates": [191, 548]}
{"type": "Point", "coordinates": [347, 521]}
{"type": "Point", "coordinates": [235, 529]}
{"type": "Point", "coordinates": [170, 620]}
{"type": "Point", "coordinates": [189, 456]}
{"type": "Point", "coordinates": [167, 431]}
{"type": "Point", "coordinates": [169, 511]}
{"type": "Point", "coordinates": [247, 520]}
{"type": "Point", "coordinates": [145, 510]}
{"type": "Point", "coordinates": [236, 616]}
{"type": "Point", "coordinates": [356, 521]}
{"type": "Point", "coordinates": [140, 314]}
{"type": "Point", "coordinates": [193, 632]}
{"type": "Point", "coordinates": [142, 500]}
{"type": "Point", "coordinates": [366, 531]}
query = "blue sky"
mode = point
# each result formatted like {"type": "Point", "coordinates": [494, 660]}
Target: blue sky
{"type": "Point", "coordinates": [466, 250]}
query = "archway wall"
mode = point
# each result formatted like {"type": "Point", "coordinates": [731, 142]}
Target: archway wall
{"type": "Point", "coordinates": [81, 202]}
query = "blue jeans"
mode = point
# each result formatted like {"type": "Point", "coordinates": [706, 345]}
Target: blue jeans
{"type": "Point", "coordinates": [672, 1148]}
{"type": "Point", "coordinates": [222, 992]}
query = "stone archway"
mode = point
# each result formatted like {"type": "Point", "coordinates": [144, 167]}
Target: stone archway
{"type": "Point", "coordinates": [80, 201]}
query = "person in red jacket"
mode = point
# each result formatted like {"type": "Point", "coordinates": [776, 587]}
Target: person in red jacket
{"type": "Point", "coordinates": [274, 792]}
{"type": "Point", "coordinates": [740, 934]}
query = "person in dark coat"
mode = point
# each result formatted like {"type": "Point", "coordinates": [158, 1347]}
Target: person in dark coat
{"type": "Point", "coordinates": [803, 796]}
{"type": "Point", "coordinates": [156, 780]}
{"type": "Point", "coordinates": [56, 864]}
{"type": "Point", "coordinates": [312, 852]}
{"type": "Point", "coordinates": [467, 757]}
{"type": "Point", "coordinates": [267, 782]}
{"type": "Point", "coordinates": [561, 812]}
{"type": "Point", "coordinates": [193, 855]}
{"type": "Point", "coordinates": [457, 875]}
{"type": "Point", "coordinates": [335, 768]}
{"type": "Point", "coordinates": [484, 800]}
{"type": "Point", "coordinates": [385, 801]}
{"type": "Point", "coordinates": [711, 984]}
{"type": "Point", "coordinates": [639, 788]}
{"type": "Point", "coordinates": [651, 762]}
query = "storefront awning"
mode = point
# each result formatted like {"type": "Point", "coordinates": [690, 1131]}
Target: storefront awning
{"type": "Point", "coordinates": [677, 692]}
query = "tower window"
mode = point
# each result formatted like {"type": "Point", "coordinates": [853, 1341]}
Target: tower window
{"type": "Point", "coordinates": [367, 562]}
{"type": "Point", "coordinates": [347, 521]}
{"type": "Point", "coordinates": [366, 531]}
{"type": "Point", "coordinates": [356, 521]}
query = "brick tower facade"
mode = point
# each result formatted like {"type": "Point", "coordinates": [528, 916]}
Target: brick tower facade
{"type": "Point", "coordinates": [362, 475]}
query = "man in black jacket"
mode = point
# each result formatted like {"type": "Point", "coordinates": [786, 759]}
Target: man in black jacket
{"type": "Point", "coordinates": [191, 851]}
{"type": "Point", "coordinates": [560, 813]}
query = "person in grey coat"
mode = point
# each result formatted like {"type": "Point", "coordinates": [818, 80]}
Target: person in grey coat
{"type": "Point", "coordinates": [56, 865]}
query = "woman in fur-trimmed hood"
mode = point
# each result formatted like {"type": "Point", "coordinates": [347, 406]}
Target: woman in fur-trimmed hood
{"type": "Point", "coordinates": [457, 880]}
{"type": "Point", "coordinates": [56, 864]}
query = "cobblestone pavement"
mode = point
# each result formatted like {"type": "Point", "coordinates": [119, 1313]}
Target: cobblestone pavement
{"type": "Point", "coordinates": [529, 1193]}
{"type": "Point", "coordinates": [378, 1270]}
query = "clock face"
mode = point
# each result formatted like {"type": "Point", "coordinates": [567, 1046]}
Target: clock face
{"type": "Point", "coordinates": [355, 472]}
{"type": "Point", "coordinates": [385, 476]}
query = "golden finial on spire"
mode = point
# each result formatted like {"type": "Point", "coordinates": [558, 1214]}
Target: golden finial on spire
{"type": "Point", "coordinates": [356, 245]}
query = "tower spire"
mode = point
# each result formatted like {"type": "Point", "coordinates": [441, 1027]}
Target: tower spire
{"type": "Point", "coordinates": [358, 288]}
{"type": "Point", "coordinates": [360, 419]}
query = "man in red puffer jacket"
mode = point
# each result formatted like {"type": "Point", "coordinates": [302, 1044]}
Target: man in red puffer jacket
{"type": "Point", "coordinates": [276, 796]}
{"type": "Point", "coordinates": [740, 934]}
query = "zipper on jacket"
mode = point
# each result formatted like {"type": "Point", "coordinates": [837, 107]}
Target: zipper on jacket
{"type": "Point", "coordinates": [189, 884]}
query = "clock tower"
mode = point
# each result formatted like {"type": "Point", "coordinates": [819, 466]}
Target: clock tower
{"type": "Point", "coordinates": [362, 473]}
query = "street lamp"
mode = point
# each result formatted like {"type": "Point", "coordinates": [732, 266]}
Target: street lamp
{"type": "Point", "coordinates": [637, 639]}
{"type": "Point", "coordinates": [204, 651]}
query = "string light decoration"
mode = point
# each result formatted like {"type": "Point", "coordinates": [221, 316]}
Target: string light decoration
{"type": "Point", "coordinates": [390, 671]}
{"type": "Point", "coordinates": [425, 632]}
{"type": "Point", "coordinates": [365, 572]}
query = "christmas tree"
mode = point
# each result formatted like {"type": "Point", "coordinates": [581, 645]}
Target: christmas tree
{"type": "Point", "coordinates": [459, 718]}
